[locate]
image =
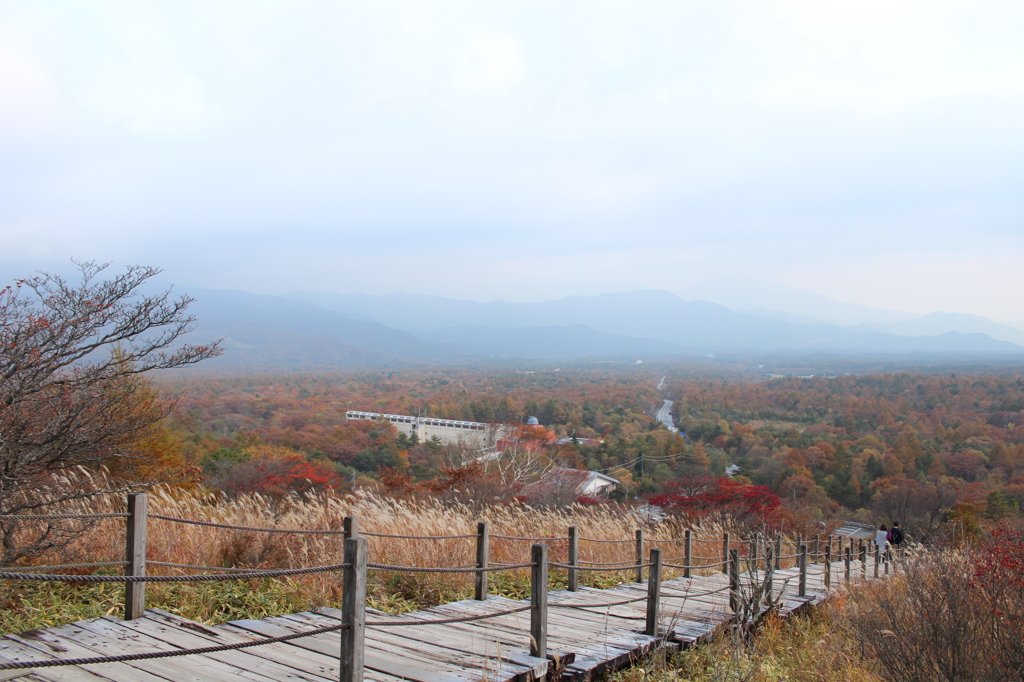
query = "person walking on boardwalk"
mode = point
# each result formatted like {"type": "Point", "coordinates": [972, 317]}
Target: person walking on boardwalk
{"type": "Point", "coordinates": [895, 538]}
{"type": "Point", "coordinates": [881, 539]}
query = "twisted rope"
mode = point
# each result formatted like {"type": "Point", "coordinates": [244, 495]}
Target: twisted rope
{"type": "Point", "coordinates": [444, 621]}
{"type": "Point", "coordinates": [96, 564]}
{"type": "Point", "coordinates": [598, 568]}
{"type": "Point", "coordinates": [597, 606]}
{"type": "Point", "coordinates": [605, 541]}
{"type": "Point", "coordinates": [274, 573]}
{"type": "Point", "coordinates": [517, 537]}
{"type": "Point", "coordinates": [604, 563]}
{"type": "Point", "coordinates": [196, 567]}
{"type": "Point", "coordinates": [419, 537]}
{"type": "Point", "coordinates": [445, 569]}
{"type": "Point", "coordinates": [695, 594]}
{"type": "Point", "coordinates": [257, 529]}
{"type": "Point", "coordinates": [54, 517]}
{"type": "Point", "coordinates": [683, 567]}
{"type": "Point", "coordinates": [23, 665]}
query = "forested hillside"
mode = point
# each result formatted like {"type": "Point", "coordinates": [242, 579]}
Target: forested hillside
{"type": "Point", "coordinates": [914, 447]}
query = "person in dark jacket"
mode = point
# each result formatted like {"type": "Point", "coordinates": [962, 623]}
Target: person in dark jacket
{"type": "Point", "coordinates": [895, 536]}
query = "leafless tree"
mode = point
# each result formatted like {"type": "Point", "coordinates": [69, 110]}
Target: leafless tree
{"type": "Point", "coordinates": [71, 393]}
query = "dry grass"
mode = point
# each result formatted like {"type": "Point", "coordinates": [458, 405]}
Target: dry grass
{"type": "Point", "coordinates": [29, 605]}
{"type": "Point", "coordinates": [813, 646]}
{"type": "Point", "coordinates": [940, 619]}
{"type": "Point", "coordinates": [807, 648]}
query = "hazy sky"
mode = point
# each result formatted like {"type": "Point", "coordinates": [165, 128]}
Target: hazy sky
{"type": "Point", "coordinates": [871, 151]}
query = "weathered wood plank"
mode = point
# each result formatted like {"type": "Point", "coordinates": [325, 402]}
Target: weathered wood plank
{"type": "Point", "coordinates": [63, 640]}
{"type": "Point", "coordinates": [315, 664]}
{"type": "Point", "coordinates": [244, 659]}
{"type": "Point", "coordinates": [40, 645]}
{"type": "Point", "coordinates": [458, 641]}
{"type": "Point", "coordinates": [325, 644]}
{"type": "Point", "coordinates": [108, 640]}
{"type": "Point", "coordinates": [437, 649]}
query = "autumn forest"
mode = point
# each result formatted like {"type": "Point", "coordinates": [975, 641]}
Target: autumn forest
{"type": "Point", "coordinates": [921, 448]}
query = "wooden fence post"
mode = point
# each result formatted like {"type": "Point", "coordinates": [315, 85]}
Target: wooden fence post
{"type": "Point", "coordinates": [769, 569]}
{"type": "Point", "coordinates": [574, 558]}
{"type": "Point", "coordinates": [639, 554]}
{"type": "Point", "coordinates": [353, 610]}
{"type": "Point", "coordinates": [483, 552]}
{"type": "Point", "coordinates": [817, 549]}
{"type": "Point", "coordinates": [778, 551]}
{"type": "Point", "coordinates": [752, 553]}
{"type": "Point", "coordinates": [135, 555]}
{"type": "Point", "coordinates": [733, 567]}
{"type": "Point", "coordinates": [828, 566]}
{"type": "Point", "coordinates": [847, 564]}
{"type": "Point", "coordinates": [653, 592]}
{"type": "Point", "coordinates": [802, 563]}
{"type": "Point", "coordinates": [350, 527]}
{"type": "Point", "coordinates": [688, 551]}
{"type": "Point", "coordinates": [539, 601]}
{"type": "Point", "coordinates": [725, 553]}
{"type": "Point", "coordinates": [863, 561]}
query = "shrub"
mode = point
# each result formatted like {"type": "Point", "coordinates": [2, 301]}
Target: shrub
{"type": "Point", "coordinates": [953, 615]}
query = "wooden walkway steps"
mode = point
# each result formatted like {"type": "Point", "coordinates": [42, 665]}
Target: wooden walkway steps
{"type": "Point", "coordinates": [585, 641]}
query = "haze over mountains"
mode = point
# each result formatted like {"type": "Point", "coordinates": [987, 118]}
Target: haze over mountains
{"type": "Point", "coordinates": [309, 329]}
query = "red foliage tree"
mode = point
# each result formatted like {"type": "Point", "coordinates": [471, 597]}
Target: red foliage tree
{"type": "Point", "coordinates": [743, 501]}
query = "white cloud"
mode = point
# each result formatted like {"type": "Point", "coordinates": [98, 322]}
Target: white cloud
{"type": "Point", "coordinates": [490, 64]}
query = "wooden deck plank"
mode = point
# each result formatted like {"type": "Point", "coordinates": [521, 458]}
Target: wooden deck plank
{"type": "Point", "coordinates": [316, 664]}
{"type": "Point", "coordinates": [601, 651]}
{"type": "Point", "coordinates": [108, 640]}
{"type": "Point", "coordinates": [436, 648]}
{"type": "Point", "coordinates": [62, 640]}
{"type": "Point", "coordinates": [243, 658]}
{"type": "Point", "coordinates": [42, 646]}
{"type": "Point", "coordinates": [373, 659]}
{"type": "Point", "coordinates": [424, 659]}
{"type": "Point", "coordinates": [312, 659]}
{"type": "Point", "coordinates": [458, 639]}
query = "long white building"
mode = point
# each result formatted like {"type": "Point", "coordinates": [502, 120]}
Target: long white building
{"type": "Point", "coordinates": [449, 431]}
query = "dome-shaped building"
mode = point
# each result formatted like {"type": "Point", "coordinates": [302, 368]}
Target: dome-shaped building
{"type": "Point", "coordinates": [532, 421]}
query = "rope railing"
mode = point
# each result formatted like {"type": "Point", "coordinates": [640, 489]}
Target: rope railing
{"type": "Point", "coordinates": [248, 575]}
{"type": "Point", "coordinates": [446, 569]}
{"type": "Point", "coordinates": [683, 567]}
{"type": "Point", "coordinates": [197, 567]}
{"type": "Point", "coordinates": [696, 594]}
{"type": "Point", "coordinates": [418, 537]}
{"type": "Point", "coordinates": [255, 529]}
{"type": "Point", "coordinates": [599, 568]}
{"type": "Point", "coordinates": [519, 537]}
{"type": "Point", "coordinates": [125, 658]}
{"type": "Point", "coordinates": [58, 517]}
{"type": "Point", "coordinates": [602, 605]}
{"type": "Point", "coordinates": [446, 621]}
{"type": "Point", "coordinates": [93, 564]}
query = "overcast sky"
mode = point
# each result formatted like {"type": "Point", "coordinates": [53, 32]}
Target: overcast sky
{"type": "Point", "coordinates": [870, 151]}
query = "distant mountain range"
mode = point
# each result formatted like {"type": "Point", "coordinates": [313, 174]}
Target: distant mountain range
{"type": "Point", "coordinates": [313, 329]}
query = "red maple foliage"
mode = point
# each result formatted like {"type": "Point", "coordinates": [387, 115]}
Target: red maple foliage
{"type": "Point", "coordinates": [278, 477]}
{"type": "Point", "coordinates": [1001, 559]}
{"type": "Point", "coordinates": [743, 501]}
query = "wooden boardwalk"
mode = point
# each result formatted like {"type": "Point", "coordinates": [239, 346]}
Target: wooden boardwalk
{"type": "Point", "coordinates": [584, 641]}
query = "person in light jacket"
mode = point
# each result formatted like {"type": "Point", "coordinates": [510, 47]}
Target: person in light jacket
{"type": "Point", "coordinates": [881, 539]}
